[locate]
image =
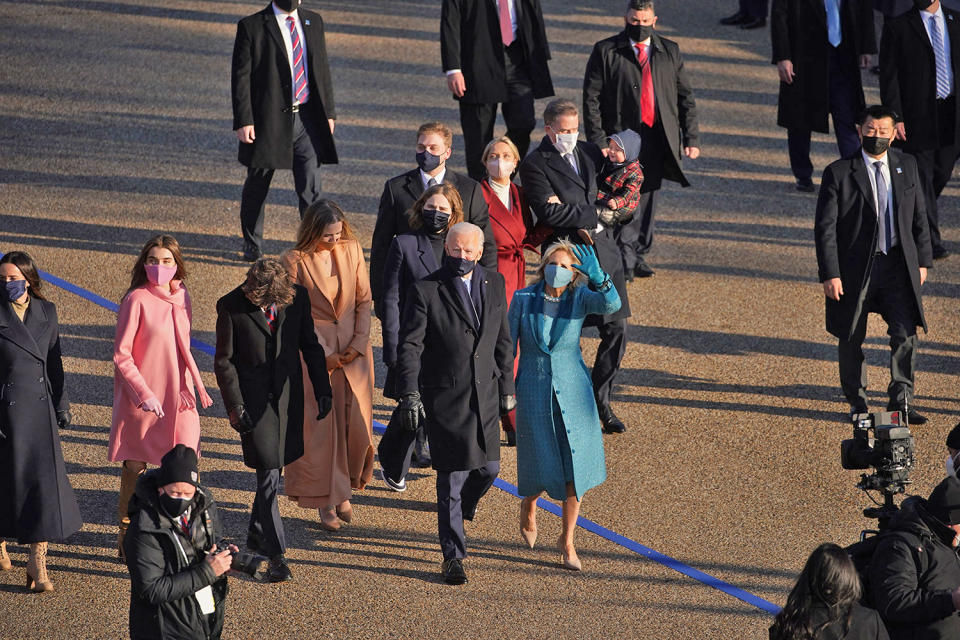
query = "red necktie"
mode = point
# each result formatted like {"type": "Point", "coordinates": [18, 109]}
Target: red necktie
{"type": "Point", "coordinates": [185, 524]}
{"type": "Point", "coordinates": [271, 313]}
{"type": "Point", "coordinates": [506, 27]}
{"type": "Point", "coordinates": [646, 85]}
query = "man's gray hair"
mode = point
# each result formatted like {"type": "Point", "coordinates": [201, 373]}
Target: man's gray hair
{"type": "Point", "coordinates": [464, 228]}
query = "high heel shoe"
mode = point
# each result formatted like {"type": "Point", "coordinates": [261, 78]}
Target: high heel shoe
{"type": "Point", "coordinates": [345, 514]}
{"type": "Point", "coordinates": [571, 562]}
{"type": "Point", "coordinates": [329, 519]}
{"type": "Point", "coordinates": [37, 579]}
{"type": "Point", "coordinates": [5, 564]}
{"type": "Point", "coordinates": [528, 533]}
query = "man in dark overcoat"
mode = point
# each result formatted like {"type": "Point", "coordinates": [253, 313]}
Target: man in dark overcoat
{"type": "Point", "coordinates": [873, 250]}
{"type": "Point", "coordinates": [637, 80]}
{"type": "Point", "coordinates": [455, 374]}
{"type": "Point", "coordinates": [818, 56]}
{"type": "Point", "coordinates": [560, 183]}
{"type": "Point", "coordinates": [263, 327]}
{"type": "Point", "coordinates": [919, 65]}
{"type": "Point", "coordinates": [494, 52]}
{"type": "Point", "coordinates": [283, 109]}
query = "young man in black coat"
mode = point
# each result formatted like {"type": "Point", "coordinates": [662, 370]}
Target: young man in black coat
{"type": "Point", "coordinates": [560, 184]}
{"type": "Point", "coordinates": [873, 250]}
{"type": "Point", "coordinates": [283, 109]}
{"type": "Point", "coordinates": [263, 327]}
{"type": "Point", "coordinates": [455, 374]}
{"type": "Point", "coordinates": [914, 577]}
{"type": "Point", "coordinates": [178, 585]}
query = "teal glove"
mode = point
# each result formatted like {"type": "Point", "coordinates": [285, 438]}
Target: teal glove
{"type": "Point", "coordinates": [589, 264]}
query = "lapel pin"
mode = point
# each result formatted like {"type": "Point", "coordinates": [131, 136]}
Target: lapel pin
{"type": "Point", "coordinates": [307, 22]}
{"type": "Point", "coordinates": [899, 170]}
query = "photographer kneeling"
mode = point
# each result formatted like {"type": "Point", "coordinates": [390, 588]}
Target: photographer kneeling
{"type": "Point", "coordinates": [177, 581]}
{"type": "Point", "coordinates": [915, 573]}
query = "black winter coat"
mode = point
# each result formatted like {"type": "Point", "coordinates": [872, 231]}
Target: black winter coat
{"type": "Point", "coordinates": [261, 370]}
{"type": "Point", "coordinates": [36, 500]}
{"type": "Point", "coordinates": [912, 575]}
{"type": "Point", "coordinates": [865, 624]}
{"type": "Point", "coordinates": [168, 566]}
{"type": "Point", "coordinates": [460, 372]}
{"type": "Point", "coordinates": [798, 32]}
{"type": "Point", "coordinates": [262, 90]}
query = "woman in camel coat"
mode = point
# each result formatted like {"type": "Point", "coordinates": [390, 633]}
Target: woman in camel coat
{"type": "Point", "coordinates": [338, 450]}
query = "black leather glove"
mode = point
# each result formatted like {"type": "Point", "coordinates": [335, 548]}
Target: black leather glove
{"type": "Point", "coordinates": [64, 419]}
{"type": "Point", "coordinates": [412, 413]}
{"type": "Point", "coordinates": [507, 404]}
{"type": "Point", "coordinates": [324, 404]}
{"type": "Point", "coordinates": [240, 420]}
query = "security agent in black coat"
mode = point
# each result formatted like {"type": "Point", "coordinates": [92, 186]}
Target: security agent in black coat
{"type": "Point", "coordinates": [914, 577]}
{"type": "Point", "coordinates": [611, 102]}
{"type": "Point", "coordinates": [260, 377]}
{"type": "Point", "coordinates": [289, 129]}
{"type": "Point", "coordinates": [860, 274]}
{"type": "Point", "coordinates": [482, 71]}
{"type": "Point", "coordinates": [455, 374]}
{"type": "Point", "coordinates": [545, 173]}
{"type": "Point", "coordinates": [930, 130]}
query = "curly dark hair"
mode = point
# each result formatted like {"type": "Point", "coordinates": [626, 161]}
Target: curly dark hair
{"type": "Point", "coordinates": [268, 282]}
{"type": "Point", "coordinates": [22, 260]}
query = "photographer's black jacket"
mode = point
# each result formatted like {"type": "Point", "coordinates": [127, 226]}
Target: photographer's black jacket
{"type": "Point", "coordinates": [912, 575]}
{"type": "Point", "coordinates": [162, 584]}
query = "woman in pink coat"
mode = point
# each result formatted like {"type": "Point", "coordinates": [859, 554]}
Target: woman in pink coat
{"type": "Point", "coordinates": [154, 406]}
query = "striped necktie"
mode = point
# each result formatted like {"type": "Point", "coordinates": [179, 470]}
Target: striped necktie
{"type": "Point", "coordinates": [271, 313]}
{"type": "Point", "coordinates": [299, 76]}
{"type": "Point", "coordinates": [940, 54]}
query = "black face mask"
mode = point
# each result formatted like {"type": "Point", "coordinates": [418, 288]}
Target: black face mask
{"type": "Point", "coordinates": [434, 220]}
{"type": "Point", "coordinates": [173, 507]}
{"type": "Point", "coordinates": [287, 5]}
{"type": "Point", "coordinates": [458, 266]}
{"type": "Point", "coordinates": [921, 5]}
{"type": "Point", "coordinates": [875, 145]}
{"type": "Point", "coordinates": [427, 161]}
{"type": "Point", "coordinates": [639, 32]}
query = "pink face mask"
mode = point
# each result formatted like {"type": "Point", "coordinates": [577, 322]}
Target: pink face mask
{"type": "Point", "coordinates": [159, 274]}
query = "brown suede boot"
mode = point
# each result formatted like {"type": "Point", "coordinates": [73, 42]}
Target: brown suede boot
{"type": "Point", "coordinates": [128, 482]}
{"type": "Point", "coordinates": [37, 579]}
{"type": "Point", "coordinates": [5, 564]}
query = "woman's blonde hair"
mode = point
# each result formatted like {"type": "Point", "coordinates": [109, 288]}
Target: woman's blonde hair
{"type": "Point", "coordinates": [503, 140]}
{"type": "Point", "coordinates": [560, 245]}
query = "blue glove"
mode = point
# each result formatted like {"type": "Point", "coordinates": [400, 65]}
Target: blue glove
{"type": "Point", "coordinates": [589, 264]}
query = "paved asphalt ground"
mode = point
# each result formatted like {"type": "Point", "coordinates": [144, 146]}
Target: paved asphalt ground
{"type": "Point", "coordinates": [115, 123]}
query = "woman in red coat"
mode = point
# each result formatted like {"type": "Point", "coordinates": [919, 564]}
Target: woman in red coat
{"type": "Point", "coordinates": [512, 225]}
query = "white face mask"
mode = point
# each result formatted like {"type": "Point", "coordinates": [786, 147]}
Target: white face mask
{"type": "Point", "coordinates": [500, 168]}
{"type": "Point", "coordinates": [951, 469]}
{"type": "Point", "coordinates": [566, 143]}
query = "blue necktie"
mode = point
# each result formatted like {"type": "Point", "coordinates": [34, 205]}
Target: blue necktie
{"type": "Point", "coordinates": [883, 216]}
{"type": "Point", "coordinates": [833, 21]}
{"type": "Point", "coordinates": [940, 54]}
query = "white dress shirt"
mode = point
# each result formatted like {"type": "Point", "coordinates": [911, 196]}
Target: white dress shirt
{"type": "Point", "coordinates": [513, 25]}
{"type": "Point", "coordinates": [885, 171]}
{"type": "Point", "coordinates": [285, 32]}
{"type": "Point", "coordinates": [424, 178]}
{"type": "Point", "coordinates": [938, 16]}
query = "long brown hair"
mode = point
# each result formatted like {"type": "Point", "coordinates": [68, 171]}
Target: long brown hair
{"type": "Point", "coordinates": [138, 275]}
{"type": "Point", "coordinates": [22, 260]}
{"type": "Point", "coordinates": [315, 219]}
{"type": "Point", "coordinates": [448, 191]}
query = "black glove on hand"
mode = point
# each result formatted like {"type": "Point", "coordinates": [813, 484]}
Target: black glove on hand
{"type": "Point", "coordinates": [240, 420]}
{"type": "Point", "coordinates": [64, 419]}
{"type": "Point", "coordinates": [507, 404]}
{"type": "Point", "coordinates": [412, 413]}
{"type": "Point", "coordinates": [324, 404]}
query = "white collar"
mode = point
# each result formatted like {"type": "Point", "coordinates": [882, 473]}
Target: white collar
{"type": "Point", "coordinates": [869, 160]}
{"type": "Point", "coordinates": [634, 43]}
{"type": "Point", "coordinates": [424, 178]}
{"type": "Point", "coordinates": [938, 13]}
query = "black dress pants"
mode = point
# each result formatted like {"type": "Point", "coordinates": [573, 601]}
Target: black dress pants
{"type": "Point", "coordinates": [458, 493]}
{"type": "Point", "coordinates": [756, 9]}
{"type": "Point", "coordinates": [890, 294]}
{"type": "Point", "coordinates": [306, 180]}
{"type": "Point", "coordinates": [613, 344]}
{"type": "Point", "coordinates": [265, 523]}
{"type": "Point", "coordinates": [935, 166]}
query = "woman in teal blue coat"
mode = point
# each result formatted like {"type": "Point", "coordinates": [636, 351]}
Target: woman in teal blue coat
{"type": "Point", "coordinates": [559, 441]}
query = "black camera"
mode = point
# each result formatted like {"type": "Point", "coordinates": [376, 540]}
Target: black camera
{"type": "Point", "coordinates": [246, 562]}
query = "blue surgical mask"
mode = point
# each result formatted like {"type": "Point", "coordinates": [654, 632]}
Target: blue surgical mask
{"type": "Point", "coordinates": [15, 289]}
{"type": "Point", "coordinates": [557, 276]}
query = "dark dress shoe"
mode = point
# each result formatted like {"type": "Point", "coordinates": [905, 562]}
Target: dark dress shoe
{"type": "Point", "coordinates": [611, 423]}
{"type": "Point", "coordinates": [939, 253]}
{"type": "Point", "coordinates": [738, 18]}
{"type": "Point", "coordinates": [642, 270]}
{"type": "Point", "coordinates": [755, 23]}
{"type": "Point", "coordinates": [915, 418]}
{"type": "Point", "coordinates": [805, 186]}
{"type": "Point", "coordinates": [251, 252]}
{"type": "Point", "coordinates": [511, 438]}
{"type": "Point", "coordinates": [278, 571]}
{"type": "Point", "coordinates": [255, 542]}
{"type": "Point", "coordinates": [453, 572]}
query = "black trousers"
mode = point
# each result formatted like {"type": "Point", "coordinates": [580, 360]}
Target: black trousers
{"type": "Point", "coordinates": [477, 119]}
{"type": "Point", "coordinates": [306, 180]}
{"type": "Point", "coordinates": [265, 522]}
{"type": "Point", "coordinates": [889, 293]}
{"type": "Point", "coordinates": [458, 493]}
{"type": "Point", "coordinates": [613, 344]}
{"type": "Point", "coordinates": [935, 166]}
{"type": "Point", "coordinates": [844, 104]}
{"type": "Point", "coordinates": [756, 9]}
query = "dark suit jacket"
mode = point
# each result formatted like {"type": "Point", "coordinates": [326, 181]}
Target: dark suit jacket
{"type": "Point", "coordinates": [261, 370]}
{"type": "Point", "coordinates": [798, 31]}
{"type": "Point", "coordinates": [611, 98]}
{"type": "Point", "coordinates": [543, 173]}
{"type": "Point", "coordinates": [908, 76]}
{"type": "Point", "coordinates": [470, 40]}
{"type": "Point", "coordinates": [846, 234]}
{"type": "Point", "coordinates": [399, 194]}
{"type": "Point", "coordinates": [410, 258]}
{"type": "Point", "coordinates": [460, 372]}
{"type": "Point", "coordinates": [262, 90]}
